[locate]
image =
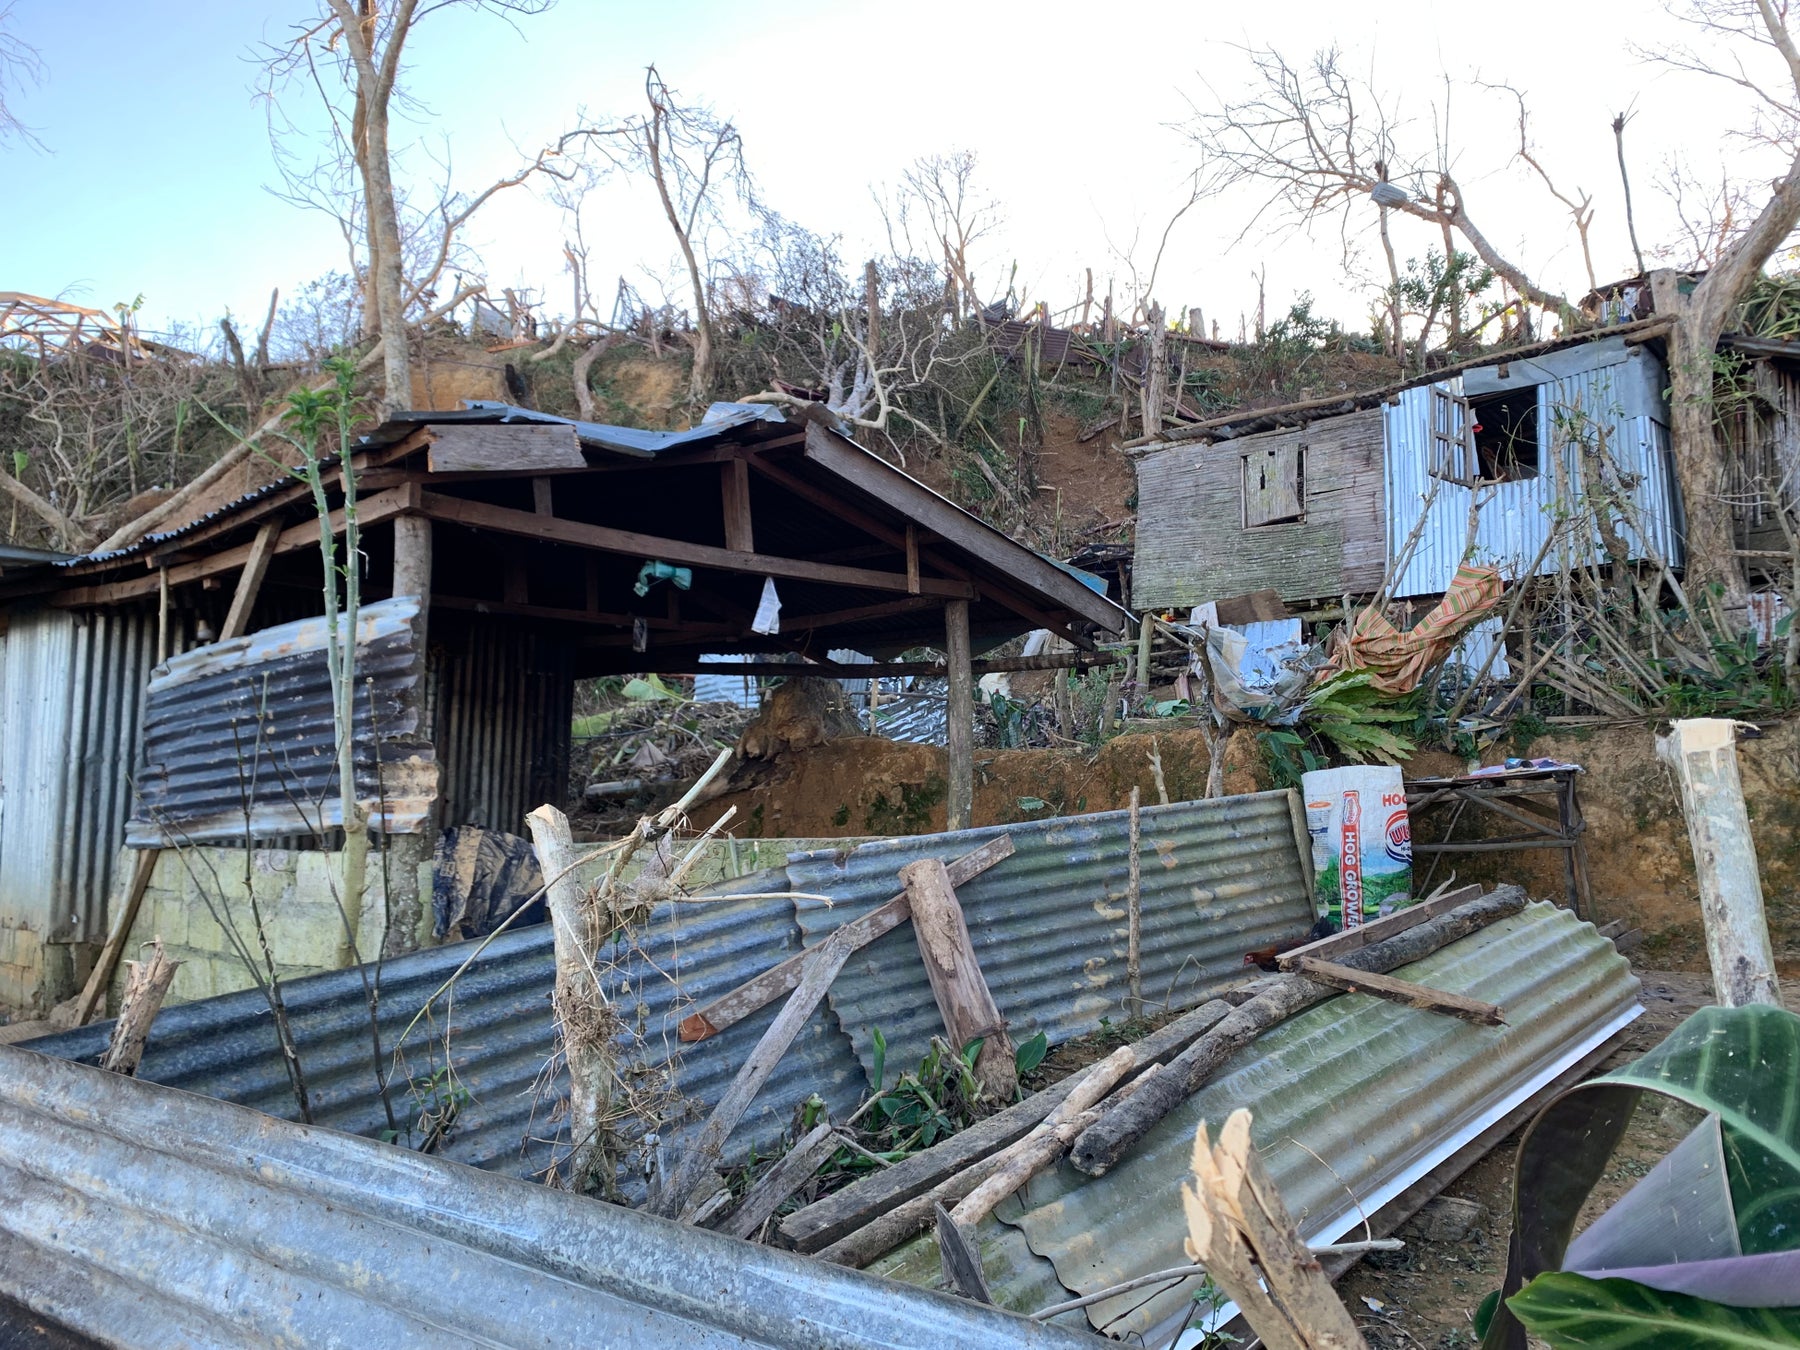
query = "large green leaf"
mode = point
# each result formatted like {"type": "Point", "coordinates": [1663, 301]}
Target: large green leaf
{"type": "Point", "coordinates": [1571, 1311]}
{"type": "Point", "coordinates": [1743, 1063]}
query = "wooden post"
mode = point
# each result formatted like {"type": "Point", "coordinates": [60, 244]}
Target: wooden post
{"type": "Point", "coordinates": [262, 548]}
{"type": "Point", "coordinates": [1134, 911]}
{"type": "Point", "coordinates": [1146, 639]}
{"type": "Point", "coordinates": [735, 492]}
{"type": "Point", "coordinates": [93, 994]}
{"type": "Point", "coordinates": [962, 994]}
{"type": "Point", "coordinates": [1156, 376]}
{"type": "Point", "coordinates": [1702, 751]}
{"type": "Point", "coordinates": [407, 853]}
{"type": "Point", "coordinates": [146, 983]}
{"type": "Point", "coordinates": [959, 737]}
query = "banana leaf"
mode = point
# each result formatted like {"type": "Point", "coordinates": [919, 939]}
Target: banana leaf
{"type": "Point", "coordinates": [1743, 1064]}
{"type": "Point", "coordinates": [1574, 1311]}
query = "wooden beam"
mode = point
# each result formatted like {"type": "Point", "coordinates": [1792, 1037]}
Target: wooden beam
{"type": "Point", "coordinates": [93, 994]}
{"type": "Point", "coordinates": [685, 663]}
{"type": "Point", "coordinates": [591, 618]}
{"type": "Point", "coordinates": [959, 736]}
{"type": "Point", "coordinates": [912, 559]}
{"type": "Point", "coordinates": [734, 483]}
{"type": "Point", "coordinates": [543, 499]}
{"type": "Point", "coordinates": [605, 539]}
{"type": "Point", "coordinates": [262, 548]}
{"type": "Point", "coordinates": [772, 1189]}
{"type": "Point", "coordinates": [1329, 948]}
{"type": "Point", "coordinates": [370, 511]}
{"type": "Point", "coordinates": [799, 623]}
{"type": "Point", "coordinates": [778, 980]}
{"type": "Point", "coordinates": [963, 998]}
{"type": "Point", "coordinates": [1412, 995]}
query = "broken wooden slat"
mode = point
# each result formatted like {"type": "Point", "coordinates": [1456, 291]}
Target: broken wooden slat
{"type": "Point", "coordinates": [822, 966]}
{"type": "Point", "coordinates": [778, 980]}
{"type": "Point", "coordinates": [1376, 930]}
{"type": "Point", "coordinates": [962, 994]}
{"type": "Point", "coordinates": [1400, 991]}
{"type": "Point", "coordinates": [788, 1175]}
{"type": "Point", "coordinates": [961, 1260]}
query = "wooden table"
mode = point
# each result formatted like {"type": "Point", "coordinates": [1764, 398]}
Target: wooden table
{"type": "Point", "coordinates": [1541, 805]}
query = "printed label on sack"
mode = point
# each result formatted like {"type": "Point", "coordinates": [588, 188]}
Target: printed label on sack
{"type": "Point", "coordinates": [1350, 877]}
{"type": "Point", "coordinates": [1399, 837]}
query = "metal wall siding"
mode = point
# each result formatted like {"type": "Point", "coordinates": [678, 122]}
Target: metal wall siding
{"type": "Point", "coordinates": [139, 1216]}
{"type": "Point", "coordinates": [254, 716]}
{"type": "Point", "coordinates": [502, 707]}
{"type": "Point", "coordinates": [500, 1034]}
{"type": "Point", "coordinates": [72, 704]}
{"type": "Point", "coordinates": [1220, 878]}
{"type": "Point", "coordinates": [1379, 1092]}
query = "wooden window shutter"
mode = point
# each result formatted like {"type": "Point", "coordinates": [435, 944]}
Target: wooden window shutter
{"type": "Point", "coordinates": [1274, 485]}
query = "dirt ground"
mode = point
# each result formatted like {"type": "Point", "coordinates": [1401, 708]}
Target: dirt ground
{"type": "Point", "coordinates": [1424, 1296]}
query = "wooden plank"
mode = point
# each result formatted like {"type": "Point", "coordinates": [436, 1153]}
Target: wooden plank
{"type": "Point", "coordinates": [734, 484]}
{"type": "Point", "coordinates": [822, 966]}
{"type": "Point", "coordinates": [1400, 991]}
{"type": "Point", "coordinates": [543, 496]}
{"type": "Point", "coordinates": [508, 447]}
{"type": "Point", "coordinates": [656, 623]}
{"type": "Point", "coordinates": [788, 1175]}
{"type": "Point", "coordinates": [370, 511]}
{"type": "Point", "coordinates": [262, 548]}
{"type": "Point", "coordinates": [605, 539]}
{"type": "Point", "coordinates": [963, 998]}
{"type": "Point", "coordinates": [1377, 929]}
{"type": "Point", "coordinates": [959, 719]}
{"type": "Point", "coordinates": [93, 993]}
{"type": "Point", "coordinates": [778, 980]}
{"type": "Point", "coordinates": [912, 559]}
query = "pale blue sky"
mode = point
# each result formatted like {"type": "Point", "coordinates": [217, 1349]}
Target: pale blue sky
{"type": "Point", "coordinates": [156, 162]}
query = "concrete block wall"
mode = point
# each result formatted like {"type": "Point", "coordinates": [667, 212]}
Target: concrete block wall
{"type": "Point", "coordinates": [199, 897]}
{"type": "Point", "coordinates": [22, 958]}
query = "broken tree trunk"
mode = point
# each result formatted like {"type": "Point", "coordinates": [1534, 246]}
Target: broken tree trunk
{"type": "Point", "coordinates": [1122, 1126]}
{"type": "Point", "coordinates": [146, 982]}
{"type": "Point", "coordinates": [1240, 1230]}
{"type": "Point", "coordinates": [825, 961]}
{"type": "Point", "coordinates": [582, 1011]}
{"type": "Point", "coordinates": [962, 994]}
{"type": "Point", "coordinates": [1702, 751]}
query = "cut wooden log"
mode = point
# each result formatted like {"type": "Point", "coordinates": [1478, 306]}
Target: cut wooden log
{"type": "Point", "coordinates": [1121, 1127]}
{"type": "Point", "coordinates": [778, 980]}
{"type": "Point", "coordinates": [823, 965]}
{"type": "Point", "coordinates": [146, 983]}
{"type": "Point", "coordinates": [788, 1175]}
{"type": "Point", "coordinates": [881, 1211]}
{"type": "Point", "coordinates": [963, 998]}
{"type": "Point", "coordinates": [1405, 992]}
{"type": "Point", "coordinates": [1331, 948]}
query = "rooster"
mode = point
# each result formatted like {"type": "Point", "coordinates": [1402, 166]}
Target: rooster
{"type": "Point", "coordinates": [1264, 957]}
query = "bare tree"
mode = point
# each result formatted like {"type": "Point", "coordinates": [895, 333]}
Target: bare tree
{"type": "Point", "coordinates": [360, 43]}
{"type": "Point", "coordinates": [938, 194]}
{"type": "Point", "coordinates": [20, 65]}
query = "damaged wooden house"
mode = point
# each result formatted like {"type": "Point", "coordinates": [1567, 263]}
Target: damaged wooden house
{"type": "Point", "coordinates": [166, 717]}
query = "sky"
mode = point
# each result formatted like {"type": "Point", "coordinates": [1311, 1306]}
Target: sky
{"type": "Point", "coordinates": [155, 171]}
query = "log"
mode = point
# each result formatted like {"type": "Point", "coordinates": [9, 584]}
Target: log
{"type": "Point", "coordinates": [876, 1214]}
{"type": "Point", "coordinates": [1404, 992]}
{"type": "Point", "coordinates": [788, 1175]}
{"type": "Point", "coordinates": [1330, 948]}
{"type": "Point", "coordinates": [1703, 753]}
{"type": "Point", "coordinates": [963, 998]}
{"type": "Point", "coordinates": [959, 721]}
{"type": "Point", "coordinates": [823, 964]}
{"type": "Point", "coordinates": [146, 983]}
{"type": "Point", "coordinates": [778, 980]}
{"type": "Point", "coordinates": [1121, 1127]}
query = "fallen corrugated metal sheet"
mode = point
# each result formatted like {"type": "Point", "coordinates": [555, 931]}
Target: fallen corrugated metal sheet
{"type": "Point", "coordinates": [1220, 878]}
{"type": "Point", "coordinates": [251, 718]}
{"type": "Point", "coordinates": [145, 1217]}
{"type": "Point", "coordinates": [499, 1033]}
{"type": "Point", "coordinates": [1354, 1100]}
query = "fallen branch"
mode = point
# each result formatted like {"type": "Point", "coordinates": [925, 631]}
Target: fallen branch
{"type": "Point", "coordinates": [146, 983]}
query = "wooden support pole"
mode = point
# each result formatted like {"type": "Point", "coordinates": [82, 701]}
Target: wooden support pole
{"type": "Point", "coordinates": [959, 737]}
{"type": "Point", "coordinates": [735, 490]}
{"type": "Point", "coordinates": [262, 548]}
{"type": "Point", "coordinates": [543, 497]}
{"type": "Point", "coordinates": [1134, 913]}
{"type": "Point", "coordinates": [1146, 639]}
{"type": "Point", "coordinates": [93, 994]}
{"type": "Point", "coordinates": [1702, 752]}
{"type": "Point", "coordinates": [962, 994]}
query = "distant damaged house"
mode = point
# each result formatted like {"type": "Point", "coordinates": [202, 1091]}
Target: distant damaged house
{"type": "Point", "coordinates": [1319, 500]}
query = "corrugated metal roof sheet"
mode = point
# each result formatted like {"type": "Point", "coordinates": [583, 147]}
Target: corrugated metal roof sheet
{"type": "Point", "coordinates": [1381, 1094]}
{"type": "Point", "coordinates": [1220, 878]}
{"type": "Point", "coordinates": [145, 1217]}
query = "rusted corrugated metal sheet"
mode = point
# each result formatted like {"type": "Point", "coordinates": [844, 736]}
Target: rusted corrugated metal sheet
{"type": "Point", "coordinates": [502, 704]}
{"type": "Point", "coordinates": [239, 739]}
{"type": "Point", "coordinates": [1220, 878]}
{"type": "Point", "coordinates": [70, 709]}
{"type": "Point", "coordinates": [1354, 1100]}
{"type": "Point", "coordinates": [149, 1218]}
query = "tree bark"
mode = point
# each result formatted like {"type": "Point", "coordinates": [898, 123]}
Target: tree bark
{"type": "Point", "coordinates": [1700, 470]}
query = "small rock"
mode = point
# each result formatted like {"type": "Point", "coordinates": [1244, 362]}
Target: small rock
{"type": "Point", "coordinates": [1447, 1218]}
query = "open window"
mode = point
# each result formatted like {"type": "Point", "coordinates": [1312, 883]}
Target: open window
{"type": "Point", "coordinates": [1274, 486]}
{"type": "Point", "coordinates": [1505, 430]}
{"type": "Point", "coordinates": [1449, 442]}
